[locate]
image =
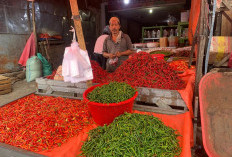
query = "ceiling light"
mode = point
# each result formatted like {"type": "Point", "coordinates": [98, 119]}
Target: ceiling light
{"type": "Point", "coordinates": [126, 1]}
{"type": "Point", "coordinates": [150, 11]}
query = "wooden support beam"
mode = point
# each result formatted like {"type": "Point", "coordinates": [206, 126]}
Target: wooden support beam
{"type": "Point", "coordinates": [201, 47]}
{"type": "Point", "coordinates": [34, 25]}
{"type": "Point", "coordinates": [28, 16]}
{"type": "Point", "coordinates": [227, 5]}
{"type": "Point", "coordinates": [225, 59]}
{"type": "Point", "coordinates": [195, 38]}
{"type": "Point", "coordinates": [227, 17]}
{"type": "Point", "coordinates": [77, 23]}
{"type": "Point", "coordinates": [78, 29]}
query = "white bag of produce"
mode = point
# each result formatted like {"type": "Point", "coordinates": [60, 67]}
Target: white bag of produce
{"type": "Point", "coordinates": [33, 68]}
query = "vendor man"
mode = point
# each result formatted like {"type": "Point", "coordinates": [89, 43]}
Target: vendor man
{"type": "Point", "coordinates": [117, 47]}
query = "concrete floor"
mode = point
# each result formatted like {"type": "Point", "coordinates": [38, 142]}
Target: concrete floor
{"type": "Point", "coordinates": [23, 88]}
{"type": "Point", "coordinates": [20, 89]}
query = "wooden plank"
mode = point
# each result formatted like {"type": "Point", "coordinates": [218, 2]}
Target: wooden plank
{"type": "Point", "coordinates": [157, 109]}
{"type": "Point", "coordinates": [195, 120]}
{"type": "Point", "coordinates": [2, 78]}
{"type": "Point", "coordinates": [5, 91]}
{"type": "Point", "coordinates": [227, 5]}
{"type": "Point", "coordinates": [60, 95]}
{"type": "Point", "coordinates": [226, 28]}
{"type": "Point", "coordinates": [225, 59]}
{"type": "Point", "coordinates": [159, 92]}
{"type": "Point", "coordinates": [40, 80]}
{"type": "Point", "coordinates": [66, 89]}
{"type": "Point", "coordinates": [5, 86]}
{"type": "Point", "coordinates": [154, 99]}
{"type": "Point", "coordinates": [60, 83]}
{"type": "Point", "coordinates": [51, 89]}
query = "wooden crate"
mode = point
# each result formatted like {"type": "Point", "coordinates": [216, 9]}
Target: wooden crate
{"type": "Point", "coordinates": [160, 101]}
{"type": "Point", "coordinates": [5, 85]}
{"type": "Point", "coordinates": [149, 99]}
{"type": "Point", "coordinates": [60, 88]}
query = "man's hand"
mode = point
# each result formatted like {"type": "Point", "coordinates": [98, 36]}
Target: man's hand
{"type": "Point", "coordinates": [112, 56]}
{"type": "Point", "coordinates": [118, 54]}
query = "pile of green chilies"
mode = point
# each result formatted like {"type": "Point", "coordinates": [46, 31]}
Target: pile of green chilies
{"type": "Point", "coordinates": [134, 135]}
{"type": "Point", "coordinates": [113, 92]}
{"type": "Point", "coordinates": [166, 53]}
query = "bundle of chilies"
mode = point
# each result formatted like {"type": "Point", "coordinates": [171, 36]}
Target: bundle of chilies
{"type": "Point", "coordinates": [38, 123]}
{"type": "Point", "coordinates": [141, 70]}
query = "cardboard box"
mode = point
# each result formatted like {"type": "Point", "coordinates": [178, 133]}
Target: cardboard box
{"type": "Point", "coordinates": [220, 47]}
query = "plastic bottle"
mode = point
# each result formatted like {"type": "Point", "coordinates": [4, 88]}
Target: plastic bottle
{"type": "Point", "coordinates": [171, 32]}
{"type": "Point", "coordinates": [148, 34]}
{"type": "Point", "coordinates": [145, 34]}
{"type": "Point", "coordinates": [153, 35]}
{"type": "Point", "coordinates": [158, 34]}
{"type": "Point", "coordinates": [165, 33]}
{"type": "Point", "coordinates": [176, 32]}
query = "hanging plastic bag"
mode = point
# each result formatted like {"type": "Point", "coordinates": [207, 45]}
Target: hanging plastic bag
{"type": "Point", "coordinates": [113, 61]}
{"type": "Point", "coordinates": [76, 65]}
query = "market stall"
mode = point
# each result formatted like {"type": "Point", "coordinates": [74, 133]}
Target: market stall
{"type": "Point", "coordinates": [163, 87]}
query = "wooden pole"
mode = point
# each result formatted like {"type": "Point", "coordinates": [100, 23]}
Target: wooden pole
{"type": "Point", "coordinates": [34, 25]}
{"type": "Point", "coordinates": [77, 24]}
{"type": "Point", "coordinates": [199, 65]}
{"type": "Point", "coordinates": [195, 37]}
{"type": "Point", "coordinates": [78, 29]}
{"type": "Point", "coordinates": [201, 48]}
{"type": "Point", "coordinates": [28, 16]}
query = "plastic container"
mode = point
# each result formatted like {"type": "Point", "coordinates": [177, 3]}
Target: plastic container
{"type": "Point", "coordinates": [105, 113]}
{"type": "Point", "coordinates": [158, 56]}
{"type": "Point", "coordinates": [152, 44]}
{"type": "Point", "coordinates": [173, 41]}
{"type": "Point", "coordinates": [215, 99]}
{"type": "Point", "coordinates": [164, 42]}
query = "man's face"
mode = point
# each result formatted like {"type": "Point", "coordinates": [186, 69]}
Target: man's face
{"type": "Point", "coordinates": [114, 27]}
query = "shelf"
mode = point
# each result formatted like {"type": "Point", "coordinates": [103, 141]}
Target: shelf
{"type": "Point", "coordinates": [180, 27]}
{"type": "Point", "coordinates": [150, 38]}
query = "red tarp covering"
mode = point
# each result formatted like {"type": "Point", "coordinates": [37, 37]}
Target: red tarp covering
{"type": "Point", "coordinates": [180, 122]}
{"type": "Point", "coordinates": [193, 19]}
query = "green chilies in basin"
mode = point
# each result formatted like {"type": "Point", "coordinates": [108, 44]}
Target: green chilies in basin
{"type": "Point", "coordinates": [113, 92]}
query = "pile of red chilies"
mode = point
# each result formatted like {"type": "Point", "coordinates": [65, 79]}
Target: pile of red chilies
{"type": "Point", "coordinates": [141, 70]}
{"type": "Point", "coordinates": [38, 123]}
{"type": "Point", "coordinates": [98, 73]}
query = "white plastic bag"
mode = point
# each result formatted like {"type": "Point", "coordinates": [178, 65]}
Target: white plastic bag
{"type": "Point", "coordinates": [76, 65]}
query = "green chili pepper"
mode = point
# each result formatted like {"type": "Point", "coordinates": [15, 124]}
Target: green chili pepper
{"type": "Point", "coordinates": [133, 135]}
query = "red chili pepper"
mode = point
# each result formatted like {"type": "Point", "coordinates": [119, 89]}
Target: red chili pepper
{"type": "Point", "coordinates": [140, 70]}
{"type": "Point", "coordinates": [39, 123]}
